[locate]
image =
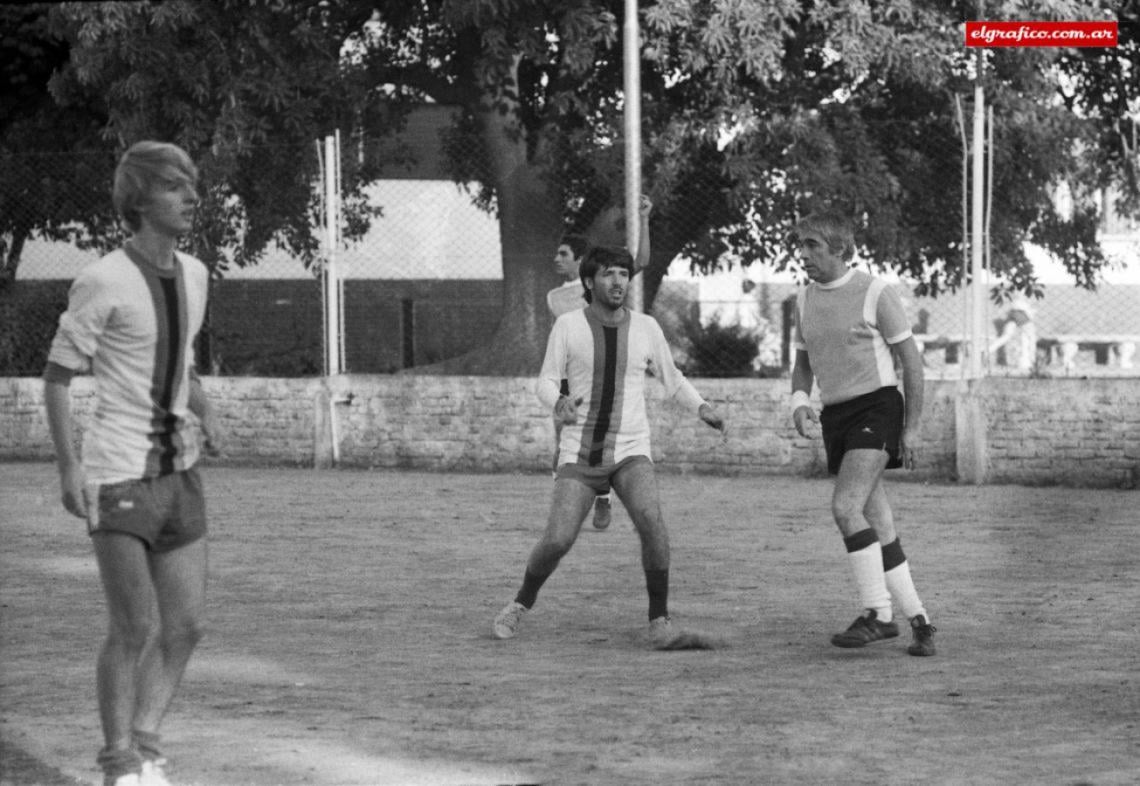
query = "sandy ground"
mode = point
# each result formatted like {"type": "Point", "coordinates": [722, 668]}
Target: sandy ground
{"type": "Point", "coordinates": [349, 639]}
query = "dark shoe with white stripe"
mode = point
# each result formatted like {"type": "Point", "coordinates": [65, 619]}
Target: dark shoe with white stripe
{"type": "Point", "coordinates": [865, 630]}
{"type": "Point", "coordinates": [923, 636]}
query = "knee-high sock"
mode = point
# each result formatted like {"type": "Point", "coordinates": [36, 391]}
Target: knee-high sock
{"type": "Point", "coordinates": [896, 571]}
{"type": "Point", "coordinates": [657, 584]}
{"type": "Point", "coordinates": [866, 558]}
{"type": "Point", "coordinates": [528, 593]}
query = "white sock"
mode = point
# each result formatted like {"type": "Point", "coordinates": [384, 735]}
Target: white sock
{"type": "Point", "coordinates": [866, 557]}
{"type": "Point", "coordinates": [901, 587]}
{"type": "Point", "coordinates": [899, 583]}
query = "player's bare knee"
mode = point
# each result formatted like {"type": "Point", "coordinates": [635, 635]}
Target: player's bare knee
{"type": "Point", "coordinates": [183, 636]}
{"type": "Point", "coordinates": [132, 635]}
{"type": "Point", "coordinates": [646, 517]}
{"type": "Point", "coordinates": [846, 510]}
{"type": "Point", "coordinates": [558, 544]}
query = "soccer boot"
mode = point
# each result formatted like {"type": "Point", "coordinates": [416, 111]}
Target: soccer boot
{"type": "Point", "coordinates": [130, 779]}
{"type": "Point", "coordinates": [152, 774]}
{"type": "Point", "coordinates": [603, 512]}
{"type": "Point", "coordinates": [923, 636]}
{"type": "Point", "coordinates": [865, 630]}
{"type": "Point", "coordinates": [507, 621]}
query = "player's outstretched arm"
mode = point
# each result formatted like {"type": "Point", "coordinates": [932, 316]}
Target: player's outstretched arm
{"type": "Point", "coordinates": [644, 207]}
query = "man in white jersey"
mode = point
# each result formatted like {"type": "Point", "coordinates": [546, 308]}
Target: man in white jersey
{"type": "Point", "coordinates": [850, 331]}
{"type": "Point", "coordinates": [569, 297]}
{"type": "Point", "coordinates": [604, 351]}
{"type": "Point", "coordinates": [131, 321]}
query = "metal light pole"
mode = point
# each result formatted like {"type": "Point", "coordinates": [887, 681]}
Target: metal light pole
{"type": "Point", "coordinates": [632, 116]}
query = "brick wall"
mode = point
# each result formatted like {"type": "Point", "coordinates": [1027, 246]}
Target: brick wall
{"type": "Point", "coordinates": [1073, 432]}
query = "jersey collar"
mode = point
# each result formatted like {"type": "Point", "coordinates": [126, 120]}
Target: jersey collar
{"type": "Point", "coordinates": [837, 283]}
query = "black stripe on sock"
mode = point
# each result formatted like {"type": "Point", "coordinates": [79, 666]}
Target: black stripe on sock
{"type": "Point", "coordinates": [861, 540]}
{"type": "Point", "coordinates": [893, 555]}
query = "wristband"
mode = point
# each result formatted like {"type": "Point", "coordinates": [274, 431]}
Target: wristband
{"type": "Point", "coordinates": [800, 399]}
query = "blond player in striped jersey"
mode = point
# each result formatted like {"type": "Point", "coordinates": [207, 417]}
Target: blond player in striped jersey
{"type": "Point", "coordinates": [851, 330]}
{"type": "Point", "coordinates": [605, 350]}
{"type": "Point", "coordinates": [131, 321]}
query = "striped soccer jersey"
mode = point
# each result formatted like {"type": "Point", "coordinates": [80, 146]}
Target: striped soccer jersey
{"type": "Point", "coordinates": [847, 326]}
{"type": "Point", "coordinates": [133, 327]}
{"type": "Point", "coordinates": [606, 366]}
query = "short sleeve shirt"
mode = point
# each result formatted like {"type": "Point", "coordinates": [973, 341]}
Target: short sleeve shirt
{"type": "Point", "coordinates": [847, 327]}
{"type": "Point", "coordinates": [566, 298]}
{"type": "Point", "coordinates": [133, 327]}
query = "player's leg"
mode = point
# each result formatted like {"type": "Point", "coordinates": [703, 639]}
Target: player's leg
{"type": "Point", "coordinates": [859, 473]}
{"type": "Point", "coordinates": [896, 572]}
{"type": "Point", "coordinates": [568, 508]}
{"type": "Point", "coordinates": [635, 483]}
{"type": "Point", "coordinates": [180, 588]}
{"type": "Point", "coordinates": [132, 613]}
{"type": "Point", "coordinates": [177, 564]}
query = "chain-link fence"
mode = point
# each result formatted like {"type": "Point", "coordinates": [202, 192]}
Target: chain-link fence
{"type": "Point", "coordinates": [425, 283]}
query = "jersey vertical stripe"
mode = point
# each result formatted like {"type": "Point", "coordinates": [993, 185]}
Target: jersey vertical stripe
{"type": "Point", "coordinates": [168, 365]}
{"type": "Point", "coordinates": [884, 361]}
{"type": "Point", "coordinates": [603, 419]}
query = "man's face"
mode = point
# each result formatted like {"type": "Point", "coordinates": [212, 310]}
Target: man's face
{"type": "Point", "coordinates": [610, 285]}
{"type": "Point", "coordinates": [819, 261]}
{"type": "Point", "coordinates": [170, 204]}
{"type": "Point", "coordinates": [565, 262]}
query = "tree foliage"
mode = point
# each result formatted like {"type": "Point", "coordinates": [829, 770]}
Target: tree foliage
{"type": "Point", "coordinates": [752, 114]}
{"type": "Point", "coordinates": [37, 196]}
{"type": "Point", "coordinates": [247, 88]}
{"type": "Point", "coordinates": [855, 106]}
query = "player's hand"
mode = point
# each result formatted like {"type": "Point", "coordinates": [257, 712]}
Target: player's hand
{"type": "Point", "coordinates": [211, 440]}
{"type": "Point", "coordinates": [710, 417]}
{"type": "Point", "coordinates": [644, 206]}
{"type": "Point", "coordinates": [566, 410]}
{"type": "Point", "coordinates": [801, 417]}
{"type": "Point", "coordinates": [908, 448]}
{"type": "Point", "coordinates": [71, 491]}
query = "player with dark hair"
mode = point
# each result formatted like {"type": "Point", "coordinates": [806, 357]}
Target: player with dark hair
{"type": "Point", "coordinates": [131, 321]}
{"type": "Point", "coordinates": [569, 297]}
{"type": "Point", "coordinates": [605, 350]}
{"type": "Point", "coordinates": [850, 331]}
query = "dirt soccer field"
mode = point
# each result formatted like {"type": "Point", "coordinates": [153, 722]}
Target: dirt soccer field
{"type": "Point", "coordinates": [349, 639]}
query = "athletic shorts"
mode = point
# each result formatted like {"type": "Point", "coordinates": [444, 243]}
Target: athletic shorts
{"type": "Point", "coordinates": [600, 479]}
{"type": "Point", "coordinates": [873, 421]}
{"type": "Point", "coordinates": [165, 513]}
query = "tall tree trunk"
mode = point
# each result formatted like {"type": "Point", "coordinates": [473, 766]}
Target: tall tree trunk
{"type": "Point", "coordinates": [11, 255]}
{"type": "Point", "coordinates": [530, 223]}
